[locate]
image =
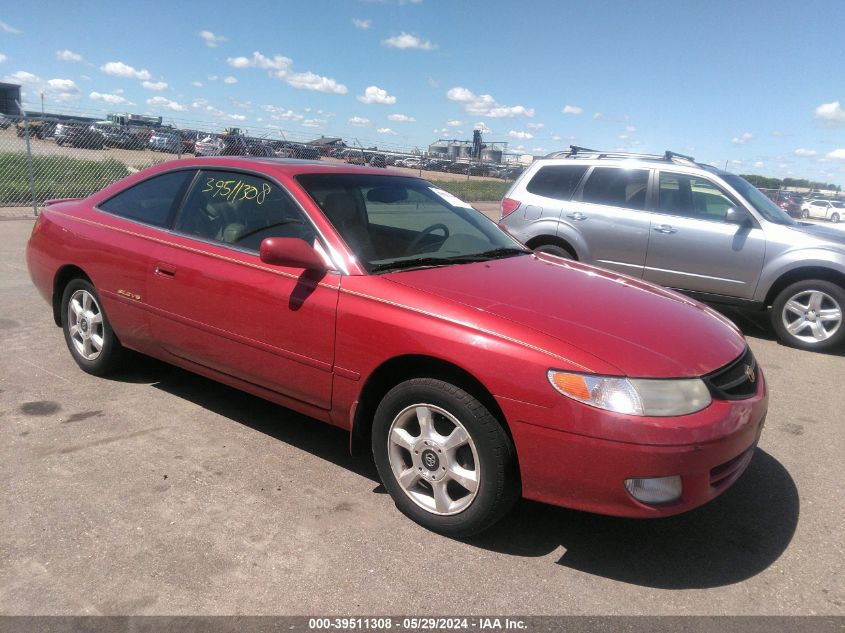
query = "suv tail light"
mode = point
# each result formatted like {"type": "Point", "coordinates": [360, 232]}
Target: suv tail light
{"type": "Point", "coordinates": [509, 205]}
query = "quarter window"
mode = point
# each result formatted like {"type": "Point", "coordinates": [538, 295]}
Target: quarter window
{"type": "Point", "coordinates": [152, 200]}
{"type": "Point", "coordinates": [241, 210]}
{"type": "Point", "coordinates": [692, 197]}
{"type": "Point", "coordinates": [617, 187]}
{"type": "Point", "coordinates": [556, 181]}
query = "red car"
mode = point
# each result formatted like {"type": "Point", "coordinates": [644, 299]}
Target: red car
{"type": "Point", "coordinates": [475, 370]}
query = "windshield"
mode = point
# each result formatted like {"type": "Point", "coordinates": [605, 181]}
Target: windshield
{"type": "Point", "coordinates": [394, 223]}
{"type": "Point", "coordinates": [838, 205]}
{"type": "Point", "coordinates": [758, 200]}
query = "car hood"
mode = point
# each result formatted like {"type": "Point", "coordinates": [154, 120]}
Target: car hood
{"type": "Point", "coordinates": [834, 236]}
{"type": "Point", "coordinates": [641, 329]}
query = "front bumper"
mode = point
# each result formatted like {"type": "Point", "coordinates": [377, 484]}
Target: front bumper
{"type": "Point", "coordinates": [575, 470]}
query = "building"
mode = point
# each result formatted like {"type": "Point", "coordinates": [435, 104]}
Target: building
{"type": "Point", "coordinates": [9, 94]}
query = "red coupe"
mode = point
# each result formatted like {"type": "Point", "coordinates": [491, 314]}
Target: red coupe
{"type": "Point", "coordinates": [475, 370]}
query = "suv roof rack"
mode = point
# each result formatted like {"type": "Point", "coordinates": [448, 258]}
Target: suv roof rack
{"type": "Point", "coordinates": [576, 151]}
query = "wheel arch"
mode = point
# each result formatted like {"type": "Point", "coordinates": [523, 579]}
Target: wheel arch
{"type": "Point", "coordinates": [63, 277]}
{"type": "Point", "coordinates": [800, 274]}
{"type": "Point", "coordinates": [401, 368]}
{"type": "Point", "coordinates": [554, 240]}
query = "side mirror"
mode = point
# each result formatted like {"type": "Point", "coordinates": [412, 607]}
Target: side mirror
{"type": "Point", "coordinates": [737, 216]}
{"type": "Point", "coordinates": [292, 252]}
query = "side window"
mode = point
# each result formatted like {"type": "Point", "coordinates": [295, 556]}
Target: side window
{"type": "Point", "coordinates": [617, 187]}
{"type": "Point", "coordinates": [692, 197]}
{"type": "Point", "coordinates": [556, 181]}
{"type": "Point", "coordinates": [150, 201]}
{"type": "Point", "coordinates": [241, 210]}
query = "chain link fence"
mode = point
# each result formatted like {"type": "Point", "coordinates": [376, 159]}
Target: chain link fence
{"type": "Point", "coordinates": [50, 157]}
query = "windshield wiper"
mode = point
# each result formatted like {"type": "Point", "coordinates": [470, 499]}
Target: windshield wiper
{"type": "Point", "coordinates": [427, 262]}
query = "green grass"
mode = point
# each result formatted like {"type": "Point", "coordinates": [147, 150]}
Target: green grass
{"type": "Point", "coordinates": [475, 190]}
{"type": "Point", "coordinates": [55, 177]}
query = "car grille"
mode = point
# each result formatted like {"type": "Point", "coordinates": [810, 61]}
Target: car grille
{"type": "Point", "coordinates": [735, 381]}
{"type": "Point", "coordinates": [724, 474]}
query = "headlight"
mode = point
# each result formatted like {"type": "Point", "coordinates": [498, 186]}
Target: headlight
{"type": "Point", "coordinates": [633, 396]}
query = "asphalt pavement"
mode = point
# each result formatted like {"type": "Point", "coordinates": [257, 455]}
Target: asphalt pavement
{"type": "Point", "coordinates": [160, 492]}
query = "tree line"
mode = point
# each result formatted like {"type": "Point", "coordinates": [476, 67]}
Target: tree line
{"type": "Point", "coordinates": [778, 183]}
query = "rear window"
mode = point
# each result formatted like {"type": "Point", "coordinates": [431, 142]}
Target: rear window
{"type": "Point", "coordinates": [556, 181]}
{"type": "Point", "coordinates": [150, 201]}
{"type": "Point", "coordinates": [617, 187]}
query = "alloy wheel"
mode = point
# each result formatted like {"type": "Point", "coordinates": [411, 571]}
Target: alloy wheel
{"type": "Point", "coordinates": [812, 316]}
{"type": "Point", "coordinates": [85, 324]}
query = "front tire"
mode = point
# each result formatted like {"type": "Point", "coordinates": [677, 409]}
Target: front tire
{"type": "Point", "coordinates": [808, 315]}
{"type": "Point", "coordinates": [554, 249]}
{"type": "Point", "coordinates": [835, 218]}
{"type": "Point", "coordinates": [443, 457]}
{"type": "Point", "coordinates": [88, 333]}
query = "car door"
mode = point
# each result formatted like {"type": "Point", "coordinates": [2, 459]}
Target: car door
{"type": "Point", "coordinates": [818, 209]}
{"type": "Point", "coordinates": [216, 304]}
{"type": "Point", "coordinates": [610, 216]}
{"type": "Point", "coordinates": [692, 246]}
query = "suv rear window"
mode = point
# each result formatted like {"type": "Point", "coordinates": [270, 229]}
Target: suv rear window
{"type": "Point", "coordinates": [556, 181]}
{"type": "Point", "coordinates": [617, 187]}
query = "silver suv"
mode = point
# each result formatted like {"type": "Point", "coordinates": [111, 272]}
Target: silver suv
{"type": "Point", "coordinates": [691, 227]}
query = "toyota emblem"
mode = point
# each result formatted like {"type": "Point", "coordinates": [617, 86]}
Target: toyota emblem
{"type": "Point", "coordinates": [749, 373]}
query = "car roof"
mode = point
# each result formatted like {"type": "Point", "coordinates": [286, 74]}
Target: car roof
{"type": "Point", "coordinates": [287, 166]}
{"type": "Point", "coordinates": [644, 163]}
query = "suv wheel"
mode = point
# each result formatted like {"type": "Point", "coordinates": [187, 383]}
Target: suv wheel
{"type": "Point", "coordinates": [835, 218]}
{"type": "Point", "coordinates": [805, 214]}
{"type": "Point", "coordinates": [554, 249]}
{"type": "Point", "coordinates": [808, 315]}
{"type": "Point", "coordinates": [443, 457]}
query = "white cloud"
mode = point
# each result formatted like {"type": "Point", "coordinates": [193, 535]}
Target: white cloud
{"type": "Point", "coordinates": [759, 164]}
{"type": "Point", "coordinates": [53, 89]}
{"type": "Point", "coordinates": [236, 117]}
{"type": "Point", "coordinates": [520, 135]}
{"type": "Point", "coordinates": [400, 118]}
{"type": "Point", "coordinates": [281, 68]}
{"type": "Point", "coordinates": [23, 77]}
{"type": "Point", "coordinates": [359, 23]}
{"type": "Point", "coordinates": [68, 56]}
{"type": "Point", "coordinates": [167, 104]}
{"type": "Point", "coordinates": [433, 82]}
{"type": "Point", "coordinates": [358, 121]}
{"type": "Point", "coordinates": [158, 85]}
{"type": "Point", "coordinates": [454, 123]}
{"type": "Point", "coordinates": [598, 116]}
{"type": "Point", "coordinates": [385, 130]}
{"type": "Point", "coordinates": [374, 94]}
{"type": "Point", "coordinates": [485, 105]}
{"type": "Point", "coordinates": [212, 77]}
{"type": "Point", "coordinates": [557, 137]}
{"type": "Point", "coordinates": [776, 133]}
{"type": "Point", "coordinates": [804, 152]}
{"type": "Point", "coordinates": [230, 80]}
{"type": "Point", "coordinates": [481, 125]}
{"type": "Point", "coordinates": [535, 126]}
{"type": "Point", "coordinates": [837, 154]}
{"type": "Point", "coordinates": [742, 139]}
{"type": "Point", "coordinates": [830, 113]}
{"type": "Point", "coordinates": [3, 58]}
{"type": "Point", "coordinates": [196, 84]}
{"type": "Point", "coordinates": [281, 114]}
{"type": "Point", "coordinates": [111, 99]}
{"type": "Point", "coordinates": [211, 40]}
{"type": "Point", "coordinates": [119, 69]}
{"type": "Point", "coordinates": [314, 123]}
{"type": "Point", "coordinates": [630, 129]}
{"type": "Point", "coordinates": [572, 109]}
{"type": "Point", "coordinates": [406, 40]}
{"type": "Point", "coordinates": [8, 28]}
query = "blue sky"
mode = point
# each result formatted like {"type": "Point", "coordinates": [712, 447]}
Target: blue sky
{"type": "Point", "coordinates": [757, 84]}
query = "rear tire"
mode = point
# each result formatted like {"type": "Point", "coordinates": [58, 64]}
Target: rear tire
{"type": "Point", "coordinates": [835, 218]}
{"type": "Point", "coordinates": [443, 457]}
{"type": "Point", "coordinates": [88, 333]}
{"type": "Point", "coordinates": [809, 315]}
{"type": "Point", "coordinates": [554, 249]}
{"type": "Point", "coordinates": [805, 214]}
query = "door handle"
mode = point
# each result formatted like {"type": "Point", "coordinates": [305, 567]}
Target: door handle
{"type": "Point", "coordinates": [167, 270]}
{"type": "Point", "coordinates": [577, 215]}
{"type": "Point", "coordinates": [665, 228]}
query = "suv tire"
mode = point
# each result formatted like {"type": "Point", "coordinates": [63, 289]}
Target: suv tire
{"type": "Point", "coordinates": [808, 315]}
{"type": "Point", "coordinates": [554, 249]}
{"type": "Point", "coordinates": [835, 218]}
{"type": "Point", "coordinates": [443, 457]}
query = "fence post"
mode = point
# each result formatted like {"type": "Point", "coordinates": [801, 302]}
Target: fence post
{"type": "Point", "coordinates": [29, 159]}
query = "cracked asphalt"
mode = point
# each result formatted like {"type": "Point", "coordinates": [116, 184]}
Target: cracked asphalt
{"type": "Point", "coordinates": [160, 492]}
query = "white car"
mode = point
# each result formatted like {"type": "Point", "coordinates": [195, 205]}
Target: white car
{"type": "Point", "coordinates": [832, 210]}
{"type": "Point", "coordinates": [209, 146]}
